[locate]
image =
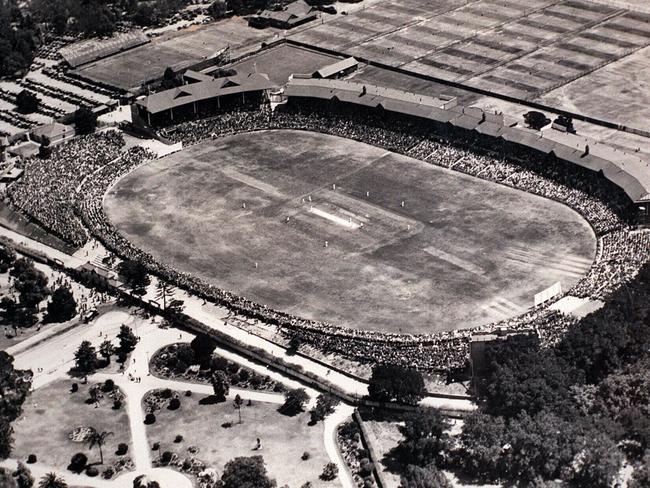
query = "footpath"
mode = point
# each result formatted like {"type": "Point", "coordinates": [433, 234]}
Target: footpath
{"type": "Point", "coordinates": [213, 318]}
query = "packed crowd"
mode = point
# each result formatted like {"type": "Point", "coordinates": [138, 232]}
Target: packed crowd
{"type": "Point", "coordinates": [42, 195]}
{"type": "Point", "coordinates": [47, 192]}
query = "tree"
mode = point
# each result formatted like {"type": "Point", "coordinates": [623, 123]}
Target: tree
{"type": "Point", "coordinates": [238, 402]}
{"type": "Point", "coordinates": [246, 472]}
{"type": "Point", "coordinates": [390, 383]}
{"type": "Point", "coordinates": [85, 359]}
{"type": "Point", "coordinates": [641, 476]}
{"type": "Point", "coordinates": [324, 406]}
{"type": "Point", "coordinates": [217, 9]}
{"type": "Point", "coordinates": [423, 477]}
{"type": "Point", "coordinates": [45, 150]}
{"type": "Point", "coordinates": [530, 381]}
{"type": "Point", "coordinates": [163, 291]}
{"type": "Point", "coordinates": [106, 349]}
{"type": "Point", "coordinates": [6, 479]}
{"type": "Point", "coordinates": [203, 346]}
{"type": "Point", "coordinates": [85, 121]}
{"type": "Point", "coordinates": [9, 312]}
{"type": "Point", "coordinates": [7, 257]}
{"type": "Point", "coordinates": [23, 476]}
{"type": "Point", "coordinates": [424, 437]}
{"type": "Point", "coordinates": [536, 120]}
{"type": "Point", "coordinates": [134, 275]}
{"type": "Point", "coordinates": [62, 306]}
{"type": "Point", "coordinates": [6, 438]}
{"type": "Point", "coordinates": [30, 282]}
{"type": "Point", "coordinates": [127, 338]}
{"type": "Point", "coordinates": [220, 384]}
{"type": "Point", "coordinates": [27, 102]}
{"type": "Point", "coordinates": [294, 401]}
{"type": "Point", "coordinates": [14, 387]}
{"type": "Point", "coordinates": [51, 480]}
{"type": "Point", "coordinates": [97, 438]}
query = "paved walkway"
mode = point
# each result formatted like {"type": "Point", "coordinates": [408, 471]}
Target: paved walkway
{"type": "Point", "coordinates": [57, 357]}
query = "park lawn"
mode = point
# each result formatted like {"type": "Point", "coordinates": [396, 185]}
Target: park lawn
{"type": "Point", "coordinates": [51, 412]}
{"type": "Point", "coordinates": [284, 439]}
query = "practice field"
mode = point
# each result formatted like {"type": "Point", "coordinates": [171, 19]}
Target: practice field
{"type": "Point", "coordinates": [336, 230]}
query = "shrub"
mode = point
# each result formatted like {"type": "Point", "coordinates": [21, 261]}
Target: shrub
{"type": "Point", "coordinates": [219, 363]}
{"type": "Point", "coordinates": [226, 425]}
{"type": "Point", "coordinates": [166, 457]}
{"type": "Point", "coordinates": [174, 403]}
{"type": "Point", "coordinates": [122, 448]}
{"type": "Point", "coordinates": [74, 388]}
{"type": "Point", "coordinates": [149, 419]}
{"type": "Point", "coordinates": [31, 459]}
{"type": "Point", "coordinates": [155, 446]}
{"type": "Point", "coordinates": [117, 404]}
{"type": "Point", "coordinates": [92, 471]}
{"type": "Point", "coordinates": [109, 385]}
{"type": "Point", "coordinates": [365, 467]}
{"type": "Point", "coordinates": [108, 473]}
{"type": "Point", "coordinates": [330, 471]}
{"type": "Point", "coordinates": [244, 375]}
{"type": "Point", "coordinates": [188, 393]}
{"type": "Point", "coordinates": [305, 456]}
{"type": "Point", "coordinates": [78, 462]}
{"type": "Point", "coordinates": [255, 381]}
{"type": "Point", "coordinates": [178, 438]}
{"type": "Point", "coordinates": [166, 393]}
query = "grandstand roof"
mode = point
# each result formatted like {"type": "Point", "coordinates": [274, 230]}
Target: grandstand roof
{"type": "Point", "coordinates": [465, 121]}
{"type": "Point", "coordinates": [204, 90]}
{"type": "Point", "coordinates": [490, 128]}
{"type": "Point", "coordinates": [607, 158]}
{"type": "Point", "coordinates": [364, 94]}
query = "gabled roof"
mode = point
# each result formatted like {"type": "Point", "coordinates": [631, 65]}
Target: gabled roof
{"type": "Point", "coordinates": [53, 131]}
{"type": "Point", "coordinates": [332, 69]}
{"type": "Point", "coordinates": [196, 76]}
{"type": "Point", "coordinates": [204, 90]}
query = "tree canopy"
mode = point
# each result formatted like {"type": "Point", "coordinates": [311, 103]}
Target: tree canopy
{"type": "Point", "coordinates": [389, 383]}
{"type": "Point", "coordinates": [62, 305]}
{"type": "Point", "coordinates": [246, 472]}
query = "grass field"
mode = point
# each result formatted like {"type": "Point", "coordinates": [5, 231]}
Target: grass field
{"type": "Point", "coordinates": [52, 412]}
{"type": "Point", "coordinates": [284, 439]}
{"type": "Point", "coordinates": [180, 50]}
{"type": "Point", "coordinates": [460, 252]}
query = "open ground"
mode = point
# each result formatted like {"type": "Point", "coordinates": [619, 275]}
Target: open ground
{"type": "Point", "coordinates": [251, 213]}
{"type": "Point", "coordinates": [284, 439]}
{"type": "Point", "coordinates": [521, 49]}
{"type": "Point", "coordinates": [179, 50]}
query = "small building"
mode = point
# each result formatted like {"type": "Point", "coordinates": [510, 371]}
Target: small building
{"type": "Point", "coordinates": [293, 15]}
{"type": "Point", "coordinates": [337, 70]}
{"type": "Point", "coordinates": [54, 132]}
{"type": "Point", "coordinates": [24, 150]}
